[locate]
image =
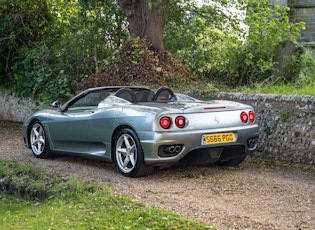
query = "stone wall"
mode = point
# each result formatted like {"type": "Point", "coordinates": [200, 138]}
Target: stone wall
{"type": "Point", "coordinates": [13, 108]}
{"type": "Point", "coordinates": [287, 123]}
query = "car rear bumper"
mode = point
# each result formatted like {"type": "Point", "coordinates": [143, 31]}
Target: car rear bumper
{"type": "Point", "coordinates": [154, 144]}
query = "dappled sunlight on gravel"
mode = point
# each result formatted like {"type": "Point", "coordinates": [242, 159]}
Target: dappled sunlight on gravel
{"type": "Point", "coordinates": [256, 195]}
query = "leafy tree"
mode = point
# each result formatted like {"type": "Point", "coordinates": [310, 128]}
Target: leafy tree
{"type": "Point", "coordinates": [47, 46]}
{"type": "Point", "coordinates": [22, 24]}
{"type": "Point", "coordinates": [269, 26]}
{"type": "Point", "coordinates": [73, 45]}
{"type": "Point", "coordinates": [202, 36]}
{"type": "Point", "coordinates": [229, 48]}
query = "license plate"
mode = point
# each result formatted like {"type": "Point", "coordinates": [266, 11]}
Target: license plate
{"type": "Point", "coordinates": [217, 138]}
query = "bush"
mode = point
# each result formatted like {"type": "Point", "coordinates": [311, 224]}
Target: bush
{"type": "Point", "coordinates": [72, 46]}
{"type": "Point", "coordinates": [269, 27]}
{"type": "Point", "coordinates": [22, 23]}
{"type": "Point", "coordinates": [217, 46]}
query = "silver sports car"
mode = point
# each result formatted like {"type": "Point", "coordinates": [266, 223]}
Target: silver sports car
{"type": "Point", "coordinates": [139, 129]}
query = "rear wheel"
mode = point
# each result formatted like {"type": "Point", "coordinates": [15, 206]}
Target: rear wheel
{"type": "Point", "coordinates": [128, 155]}
{"type": "Point", "coordinates": [38, 141]}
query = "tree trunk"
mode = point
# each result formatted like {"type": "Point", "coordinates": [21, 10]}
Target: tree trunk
{"type": "Point", "coordinates": [146, 19]}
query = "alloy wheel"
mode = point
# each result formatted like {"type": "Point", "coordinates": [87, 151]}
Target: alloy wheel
{"type": "Point", "coordinates": [126, 153]}
{"type": "Point", "coordinates": [37, 139]}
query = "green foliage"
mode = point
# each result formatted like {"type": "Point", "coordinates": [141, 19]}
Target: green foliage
{"type": "Point", "coordinates": [22, 180]}
{"type": "Point", "coordinates": [303, 84]}
{"type": "Point", "coordinates": [202, 38]}
{"type": "Point", "coordinates": [218, 46]}
{"type": "Point", "coordinates": [269, 26]}
{"type": "Point", "coordinates": [38, 73]}
{"type": "Point", "coordinates": [22, 23]}
{"type": "Point", "coordinates": [79, 35]}
{"type": "Point", "coordinates": [307, 68]}
{"type": "Point", "coordinates": [207, 51]}
{"type": "Point", "coordinates": [11, 168]}
{"type": "Point", "coordinates": [75, 205]}
{"type": "Point", "coordinates": [48, 46]}
{"type": "Point", "coordinates": [280, 88]}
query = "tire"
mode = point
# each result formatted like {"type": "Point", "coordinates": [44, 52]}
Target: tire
{"type": "Point", "coordinates": [38, 141]}
{"type": "Point", "coordinates": [233, 162]}
{"type": "Point", "coordinates": [128, 154]}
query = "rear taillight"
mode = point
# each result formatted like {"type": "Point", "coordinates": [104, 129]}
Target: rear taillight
{"type": "Point", "coordinates": [165, 122]}
{"type": "Point", "coordinates": [244, 117]}
{"type": "Point", "coordinates": [252, 116]}
{"type": "Point", "coordinates": [180, 122]}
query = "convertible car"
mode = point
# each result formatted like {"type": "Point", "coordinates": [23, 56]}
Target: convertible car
{"type": "Point", "coordinates": [139, 129]}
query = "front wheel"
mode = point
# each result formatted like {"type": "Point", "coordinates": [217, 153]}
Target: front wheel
{"type": "Point", "coordinates": [38, 141]}
{"type": "Point", "coordinates": [128, 155]}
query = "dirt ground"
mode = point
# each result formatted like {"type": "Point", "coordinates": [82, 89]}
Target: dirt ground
{"type": "Point", "coordinates": [256, 195]}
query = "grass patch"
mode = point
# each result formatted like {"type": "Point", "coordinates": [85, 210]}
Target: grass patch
{"type": "Point", "coordinates": [282, 89]}
{"type": "Point", "coordinates": [69, 204]}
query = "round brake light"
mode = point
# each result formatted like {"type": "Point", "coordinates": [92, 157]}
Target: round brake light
{"type": "Point", "coordinates": [180, 122]}
{"type": "Point", "coordinates": [244, 117]}
{"type": "Point", "coordinates": [252, 116]}
{"type": "Point", "coordinates": [165, 122]}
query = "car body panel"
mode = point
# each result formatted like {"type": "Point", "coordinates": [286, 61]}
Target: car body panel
{"type": "Point", "coordinates": [86, 125]}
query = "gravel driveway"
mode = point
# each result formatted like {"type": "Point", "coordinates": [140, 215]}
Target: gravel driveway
{"type": "Point", "coordinates": [256, 195]}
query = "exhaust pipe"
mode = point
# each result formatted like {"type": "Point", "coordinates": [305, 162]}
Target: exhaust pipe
{"type": "Point", "coordinates": [169, 149]}
{"type": "Point", "coordinates": [177, 149]}
{"type": "Point", "coordinates": [173, 149]}
{"type": "Point", "coordinates": [252, 143]}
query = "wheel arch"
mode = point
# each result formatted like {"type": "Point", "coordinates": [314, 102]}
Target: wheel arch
{"type": "Point", "coordinates": [139, 168]}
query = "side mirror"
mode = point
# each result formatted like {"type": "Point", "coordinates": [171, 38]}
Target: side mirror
{"type": "Point", "coordinates": [56, 104]}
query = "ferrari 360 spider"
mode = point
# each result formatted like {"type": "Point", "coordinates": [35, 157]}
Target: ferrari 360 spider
{"type": "Point", "coordinates": [139, 129]}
